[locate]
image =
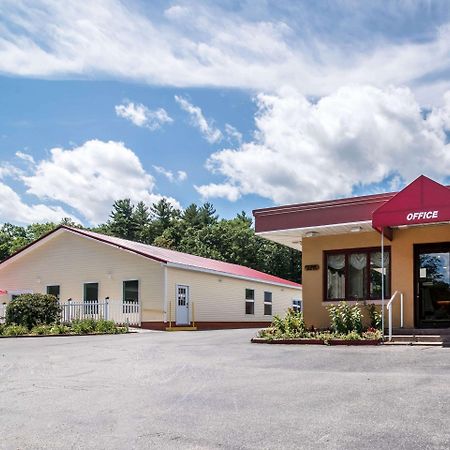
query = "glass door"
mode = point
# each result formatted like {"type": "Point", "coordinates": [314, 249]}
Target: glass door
{"type": "Point", "coordinates": [432, 273]}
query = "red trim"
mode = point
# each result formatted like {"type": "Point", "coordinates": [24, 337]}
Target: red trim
{"type": "Point", "coordinates": [355, 209]}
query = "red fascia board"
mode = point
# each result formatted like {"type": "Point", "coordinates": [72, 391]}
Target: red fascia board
{"type": "Point", "coordinates": [329, 212]}
{"type": "Point", "coordinates": [356, 209]}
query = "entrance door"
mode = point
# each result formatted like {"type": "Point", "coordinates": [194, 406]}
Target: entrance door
{"type": "Point", "coordinates": [432, 284]}
{"type": "Point", "coordinates": [182, 314]}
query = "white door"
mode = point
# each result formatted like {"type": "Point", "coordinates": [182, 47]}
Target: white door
{"type": "Point", "coordinates": [182, 315]}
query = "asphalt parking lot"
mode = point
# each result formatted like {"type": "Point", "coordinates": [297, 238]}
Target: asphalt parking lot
{"type": "Point", "coordinates": [214, 389]}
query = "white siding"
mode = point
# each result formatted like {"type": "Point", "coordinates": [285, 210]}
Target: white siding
{"type": "Point", "coordinates": [222, 299]}
{"type": "Point", "coordinates": [69, 260]}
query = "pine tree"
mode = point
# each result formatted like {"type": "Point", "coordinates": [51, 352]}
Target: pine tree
{"type": "Point", "coordinates": [122, 222]}
{"type": "Point", "coordinates": [141, 218]}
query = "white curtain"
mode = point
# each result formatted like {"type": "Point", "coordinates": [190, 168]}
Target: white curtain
{"type": "Point", "coordinates": [358, 260]}
{"type": "Point", "coordinates": [376, 259]}
{"type": "Point", "coordinates": [336, 280]}
{"type": "Point", "coordinates": [336, 262]}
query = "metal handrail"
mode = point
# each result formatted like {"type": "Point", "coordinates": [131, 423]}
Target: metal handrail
{"type": "Point", "coordinates": [389, 308]}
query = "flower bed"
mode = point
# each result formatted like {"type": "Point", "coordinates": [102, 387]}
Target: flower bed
{"type": "Point", "coordinates": [346, 329]}
{"type": "Point", "coordinates": [76, 328]}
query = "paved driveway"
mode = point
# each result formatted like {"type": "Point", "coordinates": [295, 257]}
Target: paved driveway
{"type": "Point", "coordinates": [214, 389]}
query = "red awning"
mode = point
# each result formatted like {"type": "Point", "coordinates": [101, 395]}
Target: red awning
{"type": "Point", "coordinates": [423, 201]}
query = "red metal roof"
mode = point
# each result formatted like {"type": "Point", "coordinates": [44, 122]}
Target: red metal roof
{"type": "Point", "coordinates": [184, 259]}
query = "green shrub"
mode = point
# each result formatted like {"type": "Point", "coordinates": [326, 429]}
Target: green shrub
{"type": "Point", "coordinates": [15, 330]}
{"type": "Point", "coordinates": [374, 316]}
{"type": "Point", "coordinates": [372, 334]}
{"type": "Point", "coordinates": [106, 326]}
{"type": "Point", "coordinates": [290, 326]}
{"type": "Point", "coordinates": [83, 326]}
{"type": "Point", "coordinates": [2, 328]}
{"type": "Point", "coordinates": [345, 318]}
{"type": "Point", "coordinates": [351, 336]}
{"type": "Point", "coordinates": [60, 329]}
{"type": "Point", "coordinates": [30, 310]}
{"type": "Point", "coordinates": [41, 329]}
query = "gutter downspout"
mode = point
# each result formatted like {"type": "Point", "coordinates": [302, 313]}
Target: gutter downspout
{"type": "Point", "coordinates": [165, 293]}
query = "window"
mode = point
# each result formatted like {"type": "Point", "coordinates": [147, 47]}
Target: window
{"type": "Point", "coordinates": [297, 305]}
{"type": "Point", "coordinates": [356, 274]}
{"type": "Point", "coordinates": [267, 303]}
{"type": "Point", "coordinates": [131, 291]}
{"type": "Point", "coordinates": [91, 298]}
{"type": "Point", "coordinates": [249, 301]}
{"type": "Point", "coordinates": [53, 290]}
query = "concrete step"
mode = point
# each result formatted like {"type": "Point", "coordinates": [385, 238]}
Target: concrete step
{"type": "Point", "coordinates": [418, 338]}
{"type": "Point", "coordinates": [418, 343]}
{"type": "Point", "coordinates": [421, 331]}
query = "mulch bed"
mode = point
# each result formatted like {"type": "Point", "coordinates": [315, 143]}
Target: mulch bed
{"type": "Point", "coordinates": [316, 341]}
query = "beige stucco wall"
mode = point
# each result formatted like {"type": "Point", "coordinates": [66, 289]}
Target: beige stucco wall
{"type": "Point", "coordinates": [70, 260]}
{"type": "Point", "coordinates": [402, 266]}
{"type": "Point", "coordinates": [222, 299]}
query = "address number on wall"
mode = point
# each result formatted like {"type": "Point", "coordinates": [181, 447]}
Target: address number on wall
{"type": "Point", "coordinates": [312, 267]}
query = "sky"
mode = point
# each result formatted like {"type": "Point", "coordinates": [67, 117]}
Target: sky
{"type": "Point", "coordinates": [245, 104]}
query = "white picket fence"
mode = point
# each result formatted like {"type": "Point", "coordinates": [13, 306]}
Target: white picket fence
{"type": "Point", "coordinates": [119, 312]}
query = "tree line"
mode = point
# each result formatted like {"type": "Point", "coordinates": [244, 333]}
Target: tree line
{"type": "Point", "coordinates": [196, 230]}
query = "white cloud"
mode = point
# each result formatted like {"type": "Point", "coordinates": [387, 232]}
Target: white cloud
{"type": "Point", "coordinates": [14, 209]}
{"type": "Point", "coordinates": [206, 45]}
{"type": "Point", "coordinates": [233, 133]}
{"type": "Point", "coordinates": [225, 190]}
{"type": "Point", "coordinates": [357, 136]}
{"type": "Point", "coordinates": [141, 116]}
{"type": "Point", "coordinates": [177, 177]}
{"type": "Point", "coordinates": [25, 157]}
{"type": "Point", "coordinates": [89, 178]}
{"type": "Point", "coordinates": [176, 12]}
{"type": "Point", "coordinates": [207, 129]}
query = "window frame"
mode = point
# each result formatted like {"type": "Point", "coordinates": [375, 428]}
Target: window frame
{"type": "Point", "coordinates": [347, 252]}
{"type": "Point", "coordinates": [297, 307]}
{"type": "Point", "coordinates": [138, 291]}
{"type": "Point", "coordinates": [52, 286]}
{"type": "Point", "coordinates": [250, 300]}
{"type": "Point", "coordinates": [268, 302]}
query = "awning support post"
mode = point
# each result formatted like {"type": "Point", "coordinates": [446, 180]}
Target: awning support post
{"type": "Point", "coordinates": [382, 281]}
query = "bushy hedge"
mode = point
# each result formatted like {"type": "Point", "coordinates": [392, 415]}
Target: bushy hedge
{"type": "Point", "coordinates": [83, 326]}
{"type": "Point", "coordinates": [30, 310]}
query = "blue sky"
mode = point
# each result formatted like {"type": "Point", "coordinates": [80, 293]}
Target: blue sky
{"type": "Point", "coordinates": [244, 104]}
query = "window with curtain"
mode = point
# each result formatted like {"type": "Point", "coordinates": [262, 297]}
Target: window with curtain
{"type": "Point", "coordinates": [357, 274]}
